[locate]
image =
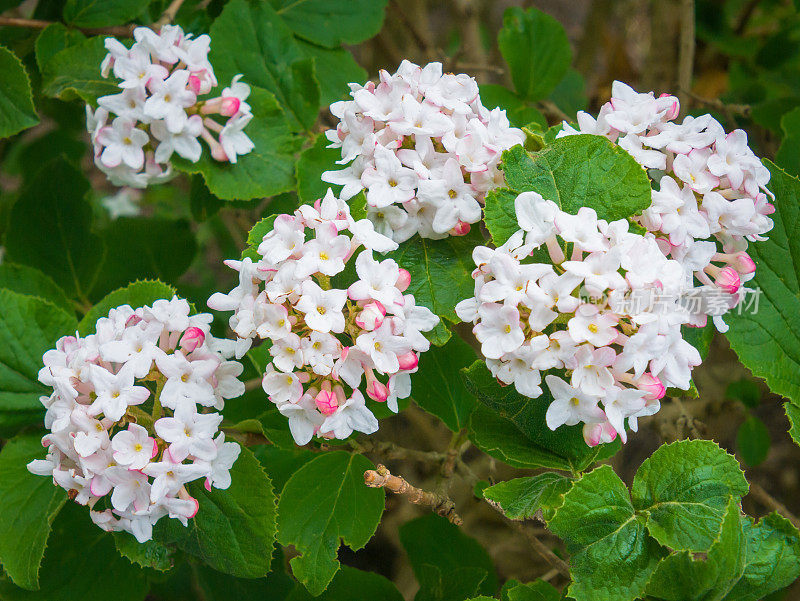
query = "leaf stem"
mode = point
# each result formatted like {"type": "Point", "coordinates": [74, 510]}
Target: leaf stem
{"type": "Point", "coordinates": [125, 31]}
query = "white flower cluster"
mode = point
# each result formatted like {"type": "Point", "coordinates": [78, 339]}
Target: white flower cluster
{"type": "Point", "coordinates": [324, 339]}
{"type": "Point", "coordinates": [602, 316]}
{"type": "Point", "coordinates": [424, 148]}
{"type": "Point", "coordinates": [158, 113]}
{"type": "Point", "coordinates": [711, 198]}
{"type": "Point", "coordinates": [132, 418]}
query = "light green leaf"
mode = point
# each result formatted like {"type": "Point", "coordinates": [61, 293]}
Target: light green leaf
{"type": "Point", "coordinates": [102, 13]}
{"type": "Point", "coordinates": [281, 464]}
{"type": "Point", "coordinates": [612, 556]}
{"type": "Point", "coordinates": [332, 22]}
{"type": "Point", "coordinates": [683, 488]}
{"type": "Point", "coordinates": [521, 498]}
{"type": "Point", "coordinates": [793, 414]}
{"type": "Point", "coordinates": [334, 69]}
{"type": "Point", "coordinates": [266, 170]}
{"type": "Point", "coordinates": [680, 577]}
{"type": "Point", "coordinates": [336, 506]}
{"type": "Point", "coordinates": [75, 73]}
{"type": "Point", "coordinates": [312, 162]}
{"type": "Point", "coordinates": [537, 51]}
{"type": "Point", "coordinates": [500, 215]}
{"type": "Point", "coordinates": [433, 541]}
{"type": "Point", "coordinates": [27, 280]}
{"type": "Point", "coordinates": [570, 94]}
{"type": "Point", "coordinates": [351, 584]}
{"type": "Point", "coordinates": [439, 388]}
{"type": "Point", "coordinates": [16, 103]}
{"type": "Point", "coordinates": [234, 530]}
{"type": "Point", "coordinates": [251, 39]}
{"type": "Point", "coordinates": [28, 506]}
{"type": "Point", "coordinates": [441, 270]}
{"type": "Point", "coordinates": [53, 39]}
{"type": "Point", "coordinates": [151, 554]}
{"type": "Point", "coordinates": [29, 326]}
{"type": "Point", "coordinates": [256, 235]}
{"type": "Point", "coordinates": [538, 590]}
{"type": "Point", "coordinates": [752, 441]}
{"type": "Point", "coordinates": [137, 294]}
{"type": "Point", "coordinates": [50, 229]}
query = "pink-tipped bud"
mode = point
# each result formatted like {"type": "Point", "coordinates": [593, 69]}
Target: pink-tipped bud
{"type": "Point", "coordinates": [195, 84]}
{"type": "Point", "coordinates": [371, 317]}
{"type": "Point", "coordinates": [218, 154]}
{"type": "Point", "coordinates": [408, 361]}
{"type": "Point", "coordinates": [728, 279]}
{"type": "Point", "coordinates": [326, 402]}
{"type": "Point", "coordinates": [377, 391]}
{"type": "Point", "coordinates": [652, 386]}
{"type": "Point", "coordinates": [674, 108]}
{"type": "Point", "coordinates": [192, 338]}
{"type": "Point", "coordinates": [229, 106]}
{"type": "Point", "coordinates": [594, 434]}
{"type": "Point", "coordinates": [132, 320]}
{"type": "Point", "coordinates": [461, 229]}
{"type": "Point", "coordinates": [403, 280]}
{"type": "Point", "coordinates": [743, 263]}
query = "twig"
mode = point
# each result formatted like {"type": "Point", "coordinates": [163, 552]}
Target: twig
{"type": "Point", "coordinates": [252, 384]}
{"type": "Point", "coordinates": [123, 31]}
{"type": "Point", "coordinates": [419, 38]}
{"type": "Point", "coordinates": [770, 502]}
{"type": "Point", "coordinates": [168, 16]}
{"type": "Point", "coordinates": [743, 110]}
{"type": "Point", "coordinates": [476, 67]}
{"type": "Point", "coordinates": [390, 450]}
{"type": "Point", "coordinates": [380, 477]}
{"type": "Point", "coordinates": [687, 48]}
{"type": "Point", "coordinates": [550, 109]}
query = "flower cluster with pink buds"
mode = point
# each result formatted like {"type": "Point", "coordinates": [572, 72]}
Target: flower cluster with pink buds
{"type": "Point", "coordinates": [133, 415]}
{"type": "Point", "coordinates": [326, 340]}
{"type": "Point", "coordinates": [606, 317]}
{"type": "Point", "coordinates": [711, 198]}
{"type": "Point", "coordinates": [423, 147]}
{"type": "Point", "coordinates": [158, 111]}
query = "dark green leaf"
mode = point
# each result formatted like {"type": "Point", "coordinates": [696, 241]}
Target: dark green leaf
{"type": "Point", "coordinates": [788, 155]}
{"type": "Point", "coordinates": [350, 584]}
{"type": "Point", "coordinates": [75, 73]}
{"type": "Point", "coordinates": [53, 39]}
{"type": "Point", "coordinates": [519, 112]}
{"type": "Point", "coordinates": [436, 584]}
{"type": "Point", "coordinates": [752, 441]}
{"type": "Point", "coordinates": [533, 591]}
{"type": "Point", "coordinates": [217, 586]}
{"type": "Point", "coordinates": [16, 103]}
{"type": "Point", "coordinates": [27, 280]}
{"type": "Point", "coordinates": [312, 162]}
{"type": "Point", "coordinates": [521, 498]}
{"type": "Point", "coordinates": [137, 294]}
{"type": "Point", "coordinates": [332, 22]}
{"type": "Point", "coordinates": [280, 464]}
{"type": "Point", "coordinates": [151, 554]}
{"type": "Point", "coordinates": [102, 13]}
{"type": "Point", "coordinates": [334, 69]}
{"type": "Point", "coordinates": [745, 391]}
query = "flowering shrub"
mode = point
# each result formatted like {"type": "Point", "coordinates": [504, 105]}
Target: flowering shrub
{"type": "Point", "coordinates": [102, 446]}
{"type": "Point", "coordinates": [158, 113]}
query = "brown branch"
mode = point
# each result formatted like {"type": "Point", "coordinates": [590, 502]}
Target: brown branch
{"type": "Point", "coordinates": [380, 477]}
{"type": "Point", "coordinates": [168, 16]}
{"type": "Point", "coordinates": [729, 110]}
{"type": "Point", "coordinates": [687, 48]}
{"type": "Point", "coordinates": [123, 31]}
{"type": "Point", "coordinates": [418, 36]}
{"type": "Point", "coordinates": [770, 502]}
{"type": "Point", "coordinates": [390, 450]}
{"type": "Point", "coordinates": [549, 108]}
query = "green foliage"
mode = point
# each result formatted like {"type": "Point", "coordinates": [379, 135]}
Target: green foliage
{"type": "Point", "coordinates": [53, 39]}
{"type": "Point", "coordinates": [28, 506]}
{"type": "Point", "coordinates": [330, 485]}
{"type": "Point", "coordinates": [151, 554]}
{"type": "Point", "coordinates": [538, 590]}
{"type": "Point", "coordinates": [752, 441]}
{"type": "Point", "coordinates": [447, 563]}
{"type": "Point", "coordinates": [334, 69]}
{"type": "Point", "coordinates": [521, 498]}
{"type": "Point", "coordinates": [137, 294]}
{"type": "Point", "coordinates": [313, 161]}
{"type": "Point", "coordinates": [788, 155]}
{"type": "Point", "coordinates": [16, 104]}
{"type": "Point", "coordinates": [350, 584]}
{"type": "Point", "coordinates": [30, 281]}
{"type": "Point", "coordinates": [74, 72]}
{"type": "Point", "coordinates": [102, 13]}
{"type": "Point", "coordinates": [518, 111]}
{"type": "Point", "coordinates": [439, 387]}
{"type": "Point", "coordinates": [537, 51]}
{"type": "Point", "coordinates": [332, 22]}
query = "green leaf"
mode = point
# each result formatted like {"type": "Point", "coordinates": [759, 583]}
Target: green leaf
{"type": "Point", "coordinates": [81, 562]}
{"type": "Point", "coordinates": [766, 335]}
{"type": "Point", "coordinates": [752, 441]}
{"type": "Point", "coordinates": [75, 73]}
{"type": "Point", "coordinates": [612, 557]}
{"type": "Point", "coordinates": [788, 155]}
{"type": "Point", "coordinates": [27, 280]}
{"type": "Point", "coordinates": [29, 326]}
{"type": "Point", "coordinates": [538, 590]}
{"type": "Point", "coordinates": [312, 162]}
{"type": "Point", "coordinates": [279, 463]}
{"type": "Point", "coordinates": [53, 39]}
{"type": "Point", "coordinates": [234, 530]}
{"type": "Point", "coordinates": [140, 248]}
{"type": "Point", "coordinates": [151, 554]}
{"type": "Point", "coordinates": [570, 94]}
{"type": "Point", "coordinates": [519, 112]}
{"type": "Point", "coordinates": [793, 414]}
{"type": "Point", "coordinates": [266, 170]}
{"type": "Point", "coordinates": [336, 506]}
{"type": "Point", "coordinates": [521, 498]}
{"type": "Point", "coordinates": [745, 391]}
{"type": "Point", "coordinates": [772, 558]}
{"type": "Point", "coordinates": [50, 229]}
{"type": "Point", "coordinates": [454, 584]}
{"type": "Point", "coordinates": [351, 584]}
{"type": "Point", "coordinates": [16, 103]}
{"type": "Point", "coordinates": [680, 577]}
{"type": "Point", "coordinates": [433, 541]}
{"type": "Point", "coordinates": [439, 388]}
{"type": "Point", "coordinates": [102, 13]}
{"type": "Point", "coordinates": [537, 51]}
{"type": "Point", "coordinates": [500, 215]}
{"type": "Point", "coordinates": [256, 235]}
{"type": "Point", "coordinates": [334, 69]}
{"type": "Point", "coordinates": [441, 270]}
{"type": "Point", "coordinates": [28, 506]}
{"type": "Point", "coordinates": [332, 22]}
{"type": "Point", "coordinates": [251, 39]}
{"type": "Point", "coordinates": [137, 294]}
{"type": "Point", "coordinates": [683, 490]}
{"type": "Point", "coordinates": [217, 586]}
{"type": "Point", "coordinates": [574, 172]}
{"type": "Point", "coordinates": [563, 449]}
{"type": "Point", "coordinates": [202, 202]}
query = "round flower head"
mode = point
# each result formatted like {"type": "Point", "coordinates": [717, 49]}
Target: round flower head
{"type": "Point", "coordinates": [133, 415]}
{"type": "Point", "coordinates": [711, 198]}
{"type": "Point", "coordinates": [334, 337]}
{"type": "Point", "coordinates": [606, 321]}
{"type": "Point", "coordinates": [423, 147]}
{"type": "Point", "coordinates": [159, 111]}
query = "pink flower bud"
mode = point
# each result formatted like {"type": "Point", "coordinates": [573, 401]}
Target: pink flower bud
{"type": "Point", "coordinates": [595, 434]}
{"type": "Point", "coordinates": [195, 84]}
{"type": "Point", "coordinates": [743, 263]}
{"type": "Point", "coordinates": [326, 402]}
{"type": "Point", "coordinates": [192, 338]}
{"type": "Point", "coordinates": [408, 361]}
{"type": "Point", "coordinates": [652, 385]}
{"type": "Point", "coordinates": [403, 280]}
{"type": "Point", "coordinates": [461, 229]}
{"type": "Point", "coordinates": [728, 279]}
{"type": "Point", "coordinates": [230, 106]}
{"type": "Point", "coordinates": [371, 317]}
{"type": "Point", "coordinates": [377, 391]}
